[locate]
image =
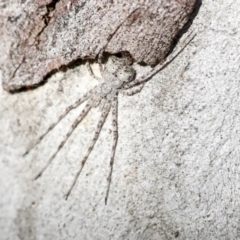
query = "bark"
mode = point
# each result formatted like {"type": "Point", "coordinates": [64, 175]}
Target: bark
{"type": "Point", "coordinates": [42, 36]}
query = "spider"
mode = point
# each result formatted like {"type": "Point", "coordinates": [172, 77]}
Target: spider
{"type": "Point", "coordinates": [119, 77]}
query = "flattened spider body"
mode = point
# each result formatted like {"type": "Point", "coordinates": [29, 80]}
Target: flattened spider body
{"type": "Point", "coordinates": [116, 74]}
{"type": "Point", "coordinates": [119, 76]}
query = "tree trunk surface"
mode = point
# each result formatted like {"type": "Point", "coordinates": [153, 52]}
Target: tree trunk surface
{"type": "Point", "coordinates": [42, 36]}
{"type": "Point", "coordinates": [177, 170]}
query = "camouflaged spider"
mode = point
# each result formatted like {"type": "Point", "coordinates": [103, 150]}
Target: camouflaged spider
{"type": "Point", "coordinates": [119, 77]}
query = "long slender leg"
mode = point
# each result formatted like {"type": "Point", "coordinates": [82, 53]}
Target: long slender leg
{"type": "Point", "coordinates": [89, 69]}
{"type": "Point", "coordinates": [74, 125]}
{"type": "Point", "coordinates": [68, 109]}
{"type": "Point", "coordinates": [91, 72]}
{"type": "Point", "coordinates": [133, 90]}
{"type": "Point", "coordinates": [100, 62]}
{"type": "Point", "coordinates": [115, 140]}
{"type": "Point", "coordinates": [102, 120]}
{"type": "Point", "coordinates": [155, 70]}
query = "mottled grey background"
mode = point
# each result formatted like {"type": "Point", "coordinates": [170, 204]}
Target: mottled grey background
{"type": "Point", "coordinates": [176, 174]}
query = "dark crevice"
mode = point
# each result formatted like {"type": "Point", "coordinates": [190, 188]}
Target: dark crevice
{"type": "Point", "coordinates": [73, 64]}
{"type": "Point", "coordinates": [63, 68]}
{"type": "Point", "coordinates": [51, 6]}
{"type": "Point", "coordinates": [46, 18]}
{"type": "Point", "coordinates": [25, 88]}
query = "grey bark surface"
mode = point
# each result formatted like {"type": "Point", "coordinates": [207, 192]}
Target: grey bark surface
{"type": "Point", "coordinates": [42, 36]}
{"type": "Point", "coordinates": [176, 172]}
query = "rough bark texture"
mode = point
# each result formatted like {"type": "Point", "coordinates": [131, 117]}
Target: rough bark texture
{"type": "Point", "coordinates": [42, 35]}
{"type": "Point", "coordinates": [176, 173]}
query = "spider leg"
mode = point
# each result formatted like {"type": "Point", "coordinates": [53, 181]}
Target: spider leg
{"type": "Point", "coordinates": [90, 69]}
{"type": "Point", "coordinates": [158, 68]}
{"type": "Point", "coordinates": [91, 72]}
{"type": "Point", "coordinates": [68, 109]}
{"type": "Point", "coordinates": [105, 111]}
{"type": "Point", "coordinates": [100, 60]}
{"type": "Point", "coordinates": [74, 125]}
{"type": "Point", "coordinates": [133, 90]}
{"type": "Point", "coordinates": [115, 139]}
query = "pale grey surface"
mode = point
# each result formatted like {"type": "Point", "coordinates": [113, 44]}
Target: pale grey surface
{"type": "Point", "coordinates": [176, 173]}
